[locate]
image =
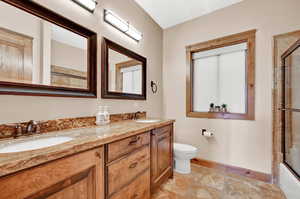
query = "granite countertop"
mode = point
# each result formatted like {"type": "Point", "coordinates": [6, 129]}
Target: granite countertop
{"type": "Point", "coordinates": [83, 139]}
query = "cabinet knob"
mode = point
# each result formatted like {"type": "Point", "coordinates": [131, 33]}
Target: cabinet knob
{"type": "Point", "coordinates": [134, 196]}
{"type": "Point", "coordinates": [98, 154]}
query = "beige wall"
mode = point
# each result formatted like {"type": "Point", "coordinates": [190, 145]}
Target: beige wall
{"type": "Point", "coordinates": [23, 108]}
{"type": "Point", "coordinates": [65, 55]}
{"type": "Point", "coordinates": [240, 143]}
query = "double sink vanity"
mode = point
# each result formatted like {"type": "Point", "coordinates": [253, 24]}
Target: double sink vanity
{"type": "Point", "coordinates": [124, 159]}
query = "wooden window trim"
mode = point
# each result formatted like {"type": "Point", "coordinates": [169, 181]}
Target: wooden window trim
{"type": "Point", "coordinates": [249, 37]}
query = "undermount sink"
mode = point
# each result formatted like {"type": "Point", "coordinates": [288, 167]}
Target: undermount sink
{"type": "Point", "coordinates": [34, 144]}
{"type": "Point", "coordinates": [147, 121]}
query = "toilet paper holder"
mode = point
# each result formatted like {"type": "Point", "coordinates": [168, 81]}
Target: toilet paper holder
{"type": "Point", "coordinates": [206, 133]}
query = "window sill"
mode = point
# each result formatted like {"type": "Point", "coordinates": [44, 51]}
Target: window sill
{"type": "Point", "coordinates": [217, 115]}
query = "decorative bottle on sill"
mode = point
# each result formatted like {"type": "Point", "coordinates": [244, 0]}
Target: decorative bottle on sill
{"type": "Point", "coordinates": [102, 116]}
{"type": "Point", "coordinates": [217, 109]}
{"type": "Point", "coordinates": [212, 107]}
{"type": "Point", "coordinates": [224, 108]}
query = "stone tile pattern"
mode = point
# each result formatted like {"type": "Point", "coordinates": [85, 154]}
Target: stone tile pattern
{"type": "Point", "coordinates": [205, 183]}
{"type": "Point", "coordinates": [7, 130]}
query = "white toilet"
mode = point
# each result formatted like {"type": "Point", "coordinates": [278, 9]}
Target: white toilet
{"type": "Point", "coordinates": [183, 154]}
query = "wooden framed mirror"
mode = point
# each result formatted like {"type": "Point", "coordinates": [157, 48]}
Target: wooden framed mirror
{"type": "Point", "coordinates": [45, 54]}
{"type": "Point", "coordinates": [123, 73]}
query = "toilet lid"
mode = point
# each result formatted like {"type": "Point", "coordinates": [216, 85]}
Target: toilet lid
{"type": "Point", "coordinates": [184, 147]}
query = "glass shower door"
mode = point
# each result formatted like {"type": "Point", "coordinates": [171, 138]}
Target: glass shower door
{"type": "Point", "coordinates": [291, 108]}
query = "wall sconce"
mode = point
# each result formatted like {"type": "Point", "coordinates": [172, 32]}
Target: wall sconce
{"type": "Point", "coordinates": [122, 25]}
{"type": "Point", "coordinates": [89, 5]}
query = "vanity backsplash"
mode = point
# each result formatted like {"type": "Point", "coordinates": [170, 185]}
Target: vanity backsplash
{"type": "Point", "coordinates": [9, 130]}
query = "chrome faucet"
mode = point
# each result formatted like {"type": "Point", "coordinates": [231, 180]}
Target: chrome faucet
{"type": "Point", "coordinates": [21, 129]}
{"type": "Point", "coordinates": [32, 127]}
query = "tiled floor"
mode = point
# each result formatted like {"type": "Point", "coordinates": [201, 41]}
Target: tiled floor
{"type": "Point", "coordinates": [204, 183]}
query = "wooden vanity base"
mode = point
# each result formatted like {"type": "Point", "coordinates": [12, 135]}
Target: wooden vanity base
{"type": "Point", "coordinates": [130, 168]}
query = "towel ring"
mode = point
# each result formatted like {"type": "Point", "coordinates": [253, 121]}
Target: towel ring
{"type": "Point", "coordinates": [153, 87]}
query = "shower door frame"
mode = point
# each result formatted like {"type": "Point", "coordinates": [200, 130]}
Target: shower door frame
{"type": "Point", "coordinates": [283, 108]}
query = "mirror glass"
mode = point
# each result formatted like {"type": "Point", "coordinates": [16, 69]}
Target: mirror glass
{"type": "Point", "coordinates": [219, 78]}
{"type": "Point", "coordinates": [125, 73]}
{"type": "Point", "coordinates": [35, 51]}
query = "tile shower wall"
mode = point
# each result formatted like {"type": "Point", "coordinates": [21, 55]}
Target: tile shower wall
{"type": "Point", "coordinates": [24, 108]}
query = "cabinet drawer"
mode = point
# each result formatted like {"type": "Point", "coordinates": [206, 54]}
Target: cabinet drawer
{"type": "Point", "coordinates": [138, 189]}
{"type": "Point", "coordinates": [163, 131]}
{"type": "Point", "coordinates": [122, 147]}
{"type": "Point", "coordinates": [122, 172]}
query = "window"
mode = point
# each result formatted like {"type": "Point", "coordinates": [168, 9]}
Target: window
{"type": "Point", "coordinates": [132, 76]}
{"type": "Point", "coordinates": [220, 81]}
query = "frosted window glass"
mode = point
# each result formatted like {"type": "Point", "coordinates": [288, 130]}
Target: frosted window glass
{"type": "Point", "coordinates": [233, 81]}
{"type": "Point", "coordinates": [205, 83]}
{"type": "Point", "coordinates": [132, 78]}
{"type": "Point", "coordinates": [137, 79]}
{"type": "Point", "coordinates": [127, 82]}
{"type": "Point", "coordinates": [220, 79]}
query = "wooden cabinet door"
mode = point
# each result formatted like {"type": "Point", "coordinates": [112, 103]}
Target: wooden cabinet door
{"type": "Point", "coordinates": [162, 155]}
{"type": "Point", "coordinates": [78, 177]}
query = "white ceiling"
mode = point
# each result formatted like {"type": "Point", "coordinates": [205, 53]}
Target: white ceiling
{"type": "Point", "coordinates": [168, 13]}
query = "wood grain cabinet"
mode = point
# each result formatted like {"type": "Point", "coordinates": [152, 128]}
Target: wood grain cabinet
{"type": "Point", "coordinates": [127, 168]}
{"type": "Point", "coordinates": [78, 177]}
{"type": "Point", "coordinates": [161, 155]}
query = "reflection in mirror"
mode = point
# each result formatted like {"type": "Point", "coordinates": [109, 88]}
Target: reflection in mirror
{"type": "Point", "coordinates": [125, 74]}
{"type": "Point", "coordinates": [292, 80]}
{"type": "Point", "coordinates": [220, 79]}
{"type": "Point", "coordinates": [68, 59]}
{"type": "Point", "coordinates": [35, 51]}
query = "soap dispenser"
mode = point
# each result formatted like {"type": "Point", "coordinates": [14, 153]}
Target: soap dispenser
{"type": "Point", "coordinates": [102, 116]}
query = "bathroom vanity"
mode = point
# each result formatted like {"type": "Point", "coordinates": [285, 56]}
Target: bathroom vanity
{"type": "Point", "coordinates": [121, 160]}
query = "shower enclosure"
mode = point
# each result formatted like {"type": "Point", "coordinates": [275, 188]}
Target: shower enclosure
{"type": "Point", "coordinates": [290, 110]}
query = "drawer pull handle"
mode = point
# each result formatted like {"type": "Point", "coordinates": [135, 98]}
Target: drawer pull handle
{"type": "Point", "coordinates": [133, 165]}
{"type": "Point", "coordinates": [132, 142]}
{"type": "Point", "coordinates": [134, 196]}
